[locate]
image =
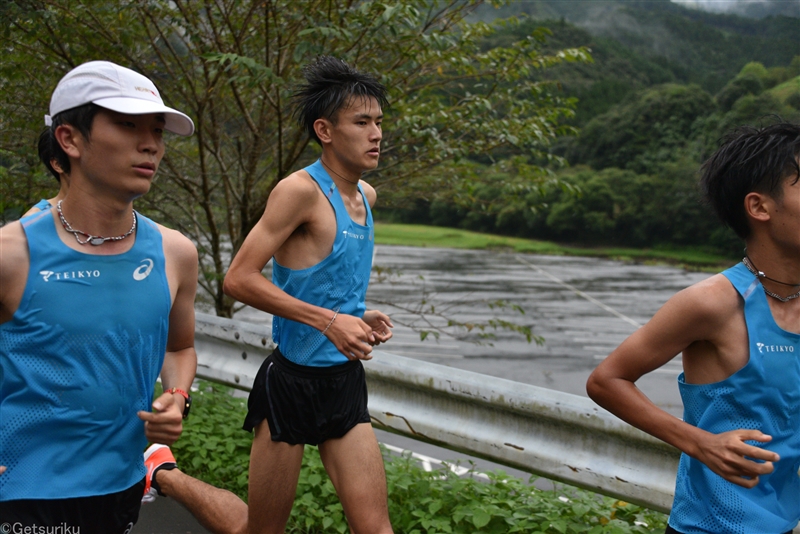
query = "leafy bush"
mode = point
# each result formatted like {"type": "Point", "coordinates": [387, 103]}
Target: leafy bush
{"type": "Point", "coordinates": [214, 449]}
{"type": "Point", "coordinates": [746, 84]}
{"type": "Point", "coordinates": [441, 501]}
{"type": "Point", "coordinates": [213, 446]}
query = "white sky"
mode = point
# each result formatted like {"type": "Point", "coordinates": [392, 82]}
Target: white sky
{"type": "Point", "coordinates": [727, 5]}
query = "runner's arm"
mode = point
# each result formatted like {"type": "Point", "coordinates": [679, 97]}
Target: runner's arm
{"type": "Point", "coordinates": [692, 315]}
{"type": "Point", "coordinates": [165, 423]}
{"type": "Point", "coordinates": [14, 264]}
{"type": "Point", "coordinates": [380, 323]}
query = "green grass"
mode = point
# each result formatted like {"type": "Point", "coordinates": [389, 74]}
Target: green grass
{"type": "Point", "coordinates": [435, 236]}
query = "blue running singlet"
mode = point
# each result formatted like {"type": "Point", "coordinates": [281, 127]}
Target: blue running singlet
{"type": "Point", "coordinates": [78, 359]}
{"type": "Point", "coordinates": [339, 282]}
{"type": "Point", "coordinates": [763, 395]}
{"type": "Point", "coordinates": [42, 205]}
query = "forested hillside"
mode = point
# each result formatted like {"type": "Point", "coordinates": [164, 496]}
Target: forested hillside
{"type": "Point", "coordinates": [666, 82]}
{"type": "Point", "coordinates": [580, 121]}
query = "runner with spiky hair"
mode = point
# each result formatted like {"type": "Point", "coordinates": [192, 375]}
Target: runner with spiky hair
{"type": "Point", "coordinates": [318, 230]}
{"type": "Point", "coordinates": [330, 85]}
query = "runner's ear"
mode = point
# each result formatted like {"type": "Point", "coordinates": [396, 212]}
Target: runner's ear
{"type": "Point", "coordinates": [758, 206]}
{"type": "Point", "coordinates": [323, 128]}
{"type": "Point", "coordinates": [70, 140]}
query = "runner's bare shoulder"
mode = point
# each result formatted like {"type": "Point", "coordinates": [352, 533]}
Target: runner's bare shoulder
{"type": "Point", "coordinates": [178, 246]}
{"type": "Point", "coordinates": [299, 184]}
{"type": "Point", "coordinates": [710, 303]}
{"type": "Point", "coordinates": [14, 246]}
{"type": "Point", "coordinates": [369, 192]}
{"type": "Point", "coordinates": [295, 197]}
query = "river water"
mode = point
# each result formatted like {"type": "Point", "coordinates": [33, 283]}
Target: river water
{"type": "Point", "coordinates": [581, 307]}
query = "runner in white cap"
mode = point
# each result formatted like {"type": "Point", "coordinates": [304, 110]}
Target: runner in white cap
{"type": "Point", "coordinates": [95, 301]}
{"type": "Point", "coordinates": [110, 86]}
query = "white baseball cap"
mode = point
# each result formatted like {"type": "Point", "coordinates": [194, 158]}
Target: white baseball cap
{"type": "Point", "coordinates": [116, 88]}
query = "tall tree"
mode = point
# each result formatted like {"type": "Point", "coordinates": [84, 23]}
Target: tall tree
{"type": "Point", "coordinates": [231, 65]}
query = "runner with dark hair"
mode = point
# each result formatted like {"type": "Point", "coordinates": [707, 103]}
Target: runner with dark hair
{"type": "Point", "coordinates": [739, 332]}
{"type": "Point", "coordinates": [317, 228]}
{"type": "Point", "coordinates": [96, 301]}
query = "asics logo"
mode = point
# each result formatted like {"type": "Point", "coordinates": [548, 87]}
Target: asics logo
{"type": "Point", "coordinates": [143, 270]}
{"type": "Point", "coordinates": [762, 348]}
{"type": "Point", "coordinates": [68, 275]}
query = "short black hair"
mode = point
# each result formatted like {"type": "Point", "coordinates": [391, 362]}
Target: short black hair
{"type": "Point", "coordinates": [750, 160]}
{"type": "Point", "coordinates": [82, 118]}
{"type": "Point", "coordinates": [330, 84]}
{"type": "Point", "coordinates": [45, 145]}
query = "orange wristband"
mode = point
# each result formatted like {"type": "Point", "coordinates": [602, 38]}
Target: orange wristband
{"type": "Point", "coordinates": [178, 390]}
{"type": "Point", "coordinates": [188, 398]}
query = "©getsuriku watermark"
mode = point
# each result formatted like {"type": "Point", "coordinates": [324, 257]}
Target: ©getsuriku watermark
{"type": "Point", "coordinates": [19, 528]}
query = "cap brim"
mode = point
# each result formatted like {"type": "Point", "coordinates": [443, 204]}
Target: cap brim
{"type": "Point", "coordinates": [176, 122]}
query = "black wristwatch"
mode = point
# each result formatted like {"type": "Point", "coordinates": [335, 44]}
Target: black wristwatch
{"type": "Point", "coordinates": [188, 400]}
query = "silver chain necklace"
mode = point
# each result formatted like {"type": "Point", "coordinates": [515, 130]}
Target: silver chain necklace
{"type": "Point", "coordinates": [95, 240]}
{"type": "Point", "coordinates": [760, 274]}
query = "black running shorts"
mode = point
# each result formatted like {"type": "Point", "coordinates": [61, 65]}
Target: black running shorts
{"type": "Point", "coordinates": [307, 405]}
{"type": "Point", "coordinates": [115, 513]}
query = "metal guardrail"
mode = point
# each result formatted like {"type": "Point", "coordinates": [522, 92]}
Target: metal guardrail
{"type": "Point", "coordinates": [557, 435]}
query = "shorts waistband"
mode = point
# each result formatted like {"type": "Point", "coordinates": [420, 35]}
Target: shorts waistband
{"type": "Point", "coordinates": [312, 371]}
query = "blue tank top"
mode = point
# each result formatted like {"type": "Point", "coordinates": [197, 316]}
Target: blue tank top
{"type": "Point", "coordinates": [763, 395]}
{"type": "Point", "coordinates": [339, 282]}
{"type": "Point", "coordinates": [78, 359]}
{"type": "Point", "coordinates": [42, 205]}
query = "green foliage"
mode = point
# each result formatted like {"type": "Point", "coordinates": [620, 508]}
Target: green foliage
{"type": "Point", "coordinates": [232, 66]}
{"type": "Point", "coordinates": [624, 208]}
{"type": "Point", "coordinates": [638, 44]}
{"type": "Point", "coordinates": [750, 110]}
{"type": "Point", "coordinates": [23, 181]}
{"type": "Point", "coordinates": [653, 127]}
{"type": "Point", "coordinates": [744, 84]}
{"type": "Point", "coordinates": [645, 152]}
{"type": "Point", "coordinates": [213, 448]}
{"type": "Point", "coordinates": [787, 91]}
{"type": "Point", "coordinates": [316, 507]}
{"type": "Point", "coordinates": [794, 100]}
{"type": "Point", "coordinates": [607, 208]}
{"type": "Point", "coordinates": [754, 68]}
{"type": "Point", "coordinates": [441, 501]}
{"type": "Point", "coordinates": [615, 72]}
